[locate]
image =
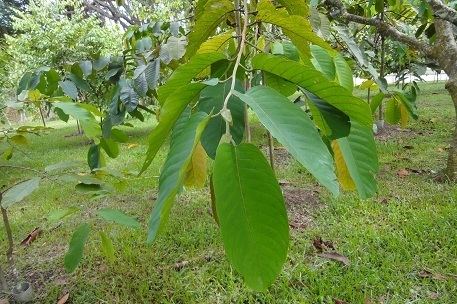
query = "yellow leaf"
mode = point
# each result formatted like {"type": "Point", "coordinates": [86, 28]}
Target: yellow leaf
{"type": "Point", "coordinates": [404, 116]}
{"type": "Point", "coordinates": [196, 171]}
{"type": "Point", "coordinates": [342, 171]}
{"type": "Point", "coordinates": [216, 43]}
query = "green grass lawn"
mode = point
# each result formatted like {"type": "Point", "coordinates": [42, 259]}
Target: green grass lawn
{"type": "Point", "coordinates": [402, 244]}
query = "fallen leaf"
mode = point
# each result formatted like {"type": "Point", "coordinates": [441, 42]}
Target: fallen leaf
{"type": "Point", "coordinates": [430, 275]}
{"type": "Point", "coordinates": [403, 173]}
{"type": "Point", "coordinates": [180, 265]}
{"type": "Point", "coordinates": [434, 295]}
{"type": "Point", "coordinates": [322, 245]}
{"type": "Point", "coordinates": [64, 298]}
{"type": "Point", "coordinates": [384, 201]}
{"type": "Point", "coordinates": [338, 301]}
{"type": "Point", "coordinates": [130, 146]}
{"type": "Point", "coordinates": [31, 237]}
{"type": "Point", "coordinates": [336, 257]}
{"type": "Point", "coordinates": [4, 301]}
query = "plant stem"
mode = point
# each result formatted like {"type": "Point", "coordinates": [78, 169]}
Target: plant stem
{"type": "Point", "coordinates": [3, 284]}
{"type": "Point", "coordinates": [42, 117]}
{"type": "Point", "coordinates": [237, 64]}
{"type": "Point", "coordinates": [271, 150]}
{"type": "Point", "coordinates": [9, 234]}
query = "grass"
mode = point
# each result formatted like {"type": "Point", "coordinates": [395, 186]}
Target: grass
{"type": "Point", "coordinates": [394, 241]}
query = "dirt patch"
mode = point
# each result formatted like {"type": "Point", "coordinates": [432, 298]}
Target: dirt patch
{"type": "Point", "coordinates": [389, 132]}
{"type": "Point", "coordinates": [282, 158]}
{"type": "Point", "coordinates": [301, 204]}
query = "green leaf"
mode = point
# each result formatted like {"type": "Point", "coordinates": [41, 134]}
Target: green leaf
{"type": "Point", "coordinates": [118, 217]}
{"type": "Point", "coordinates": [69, 88]}
{"type": "Point", "coordinates": [251, 213]}
{"type": "Point", "coordinates": [323, 62]}
{"type": "Point", "coordinates": [281, 85]}
{"type": "Point", "coordinates": [185, 73]}
{"type": "Point", "coordinates": [295, 7]}
{"type": "Point", "coordinates": [174, 171]}
{"type": "Point", "coordinates": [19, 139]}
{"type": "Point", "coordinates": [292, 127]}
{"type": "Point", "coordinates": [392, 113]}
{"type": "Point", "coordinates": [343, 73]}
{"type": "Point", "coordinates": [216, 43]}
{"type": "Point", "coordinates": [211, 100]}
{"type": "Point", "coordinates": [174, 49]}
{"type": "Point", "coordinates": [213, 13]}
{"type": "Point", "coordinates": [19, 191]}
{"type": "Point", "coordinates": [110, 146]}
{"type": "Point", "coordinates": [75, 252]}
{"type": "Point", "coordinates": [79, 82]}
{"type": "Point", "coordinates": [314, 82]}
{"type": "Point", "coordinates": [128, 95]}
{"type": "Point", "coordinates": [332, 122]}
{"type": "Point", "coordinates": [68, 164]}
{"type": "Point", "coordinates": [169, 114]}
{"type": "Point", "coordinates": [119, 136]}
{"type": "Point", "coordinates": [86, 67]}
{"type": "Point", "coordinates": [57, 215]}
{"type": "Point", "coordinates": [297, 28]}
{"type": "Point", "coordinates": [359, 152]}
{"type": "Point", "coordinates": [408, 101]}
{"type": "Point", "coordinates": [376, 102]}
{"type": "Point", "coordinates": [95, 157]}
{"type": "Point", "coordinates": [88, 122]}
{"type": "Point", "coordinates": [152, 73]}
{"type": "Point", "coordinates": [107, 246]}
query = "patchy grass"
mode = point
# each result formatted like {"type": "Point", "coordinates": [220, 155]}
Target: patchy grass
{"type": "Point", "coordinates": [402, 244]}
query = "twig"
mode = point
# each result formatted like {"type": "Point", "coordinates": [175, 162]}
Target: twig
{"type": "Point", "coordinates": [237, 64]}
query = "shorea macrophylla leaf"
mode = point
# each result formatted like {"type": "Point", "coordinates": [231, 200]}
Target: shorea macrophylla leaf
{"type": "Point", "coordinates": [251, 213]}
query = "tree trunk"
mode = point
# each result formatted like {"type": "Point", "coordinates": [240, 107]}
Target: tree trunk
{"type": "Point", "coordinates": [451, 167]}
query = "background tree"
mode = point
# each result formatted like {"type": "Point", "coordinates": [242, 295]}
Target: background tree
{"type": "Point", "coordinates": [7, 11]}
{"type": "Point", "coordinates": [440, 47]}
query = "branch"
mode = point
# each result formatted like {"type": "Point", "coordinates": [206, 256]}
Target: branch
{"type": "Point", "coordinates": [338, 11]}
{"type": "Point", "coordinates": [442, 11]}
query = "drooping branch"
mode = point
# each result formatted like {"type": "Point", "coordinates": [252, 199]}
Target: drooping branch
{"type": "Point", "coordinates": [442, 11]}
{"type": "Point", "coordinates": [106, 9]}
{"type": "Point", "coordinates": [338, 10]}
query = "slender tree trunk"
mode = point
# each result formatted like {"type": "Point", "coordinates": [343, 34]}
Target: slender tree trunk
{"type": "Point", "coordinates": [9, 234]}
{"type": "Point", "coordinates": [271, 150]}
{"type": "Point", "coordinates": [451, 167]}
{"type": "Point", "coordinates": [42, 117]}
{"type": "Point", "coordinates": [3, 284]}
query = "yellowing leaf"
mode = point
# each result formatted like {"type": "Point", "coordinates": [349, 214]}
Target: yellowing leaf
{"type": "Point", "coordinates": [404, 116]}
{"type": "Point", "coordinates": [342, 171]}
{"type": "Point", "coordinates": [297, 28]}
{"type": "Point", "coordinates": [196, 171]}
{"type": "Point", "coordinates": [216, 43]}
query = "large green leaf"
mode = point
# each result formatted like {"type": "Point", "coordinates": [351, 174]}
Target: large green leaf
{"type": "Point", "coordinates": [292, 127]}
{"type": "Point", "coordinates": [296, 7]}
{"type": "Point", "coordinates": [211, 100]}
{"type": "Point", "coordinates": [251, 212]}
{"type": "Point", "coordinates": [332, 122]}
{"type": "Point", "coordinates": [118, 217]}
{"type": "Point", "coordinates": [359, 153]}
{"type": "Point", "coordinates": [313, 81]}
{"type": "Point", "coordinates": [174, 171]}
{"type": "Point", "coordinates": [75, 252]}
{"type": "Point", "coordinates": [323, 62]}
{"type": "Point", "coordinates": [169, 114]}
{"type": "Point", "coordinates": [88, 122]}
{"type": "Point", "coordinates": [185, 73]}
{"type": "Point", "coordinates": [69, 88]}
{"type": "Point", "coordinates": [297, 28]}
{"type": "Point", "coordinates": [107, 246]}
{"type": "Point", "coordinates": [212, 14]}
{"type": "Point", "coordinates": [216, 43]}
{"type": "Point", "coordinates": [19, 191]}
